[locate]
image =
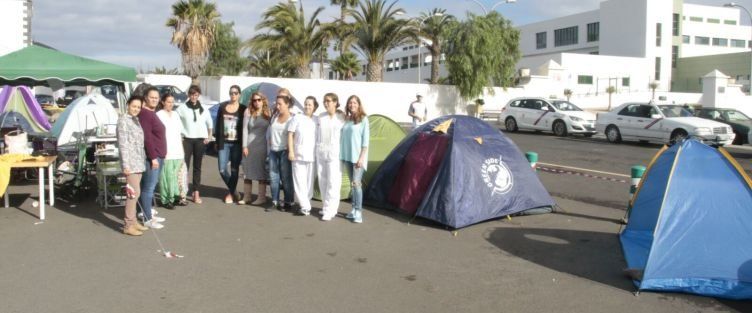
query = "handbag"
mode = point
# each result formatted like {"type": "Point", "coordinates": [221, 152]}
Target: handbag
{"type": "Point", "coordinates": [16, 142]}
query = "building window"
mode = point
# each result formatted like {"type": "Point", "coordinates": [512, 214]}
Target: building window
{"type": "Point", "coordinates": [703, 41]}
{"type": "Point", "coordinates": [720, 42]}
{"type": "Point", "coordinates": [389, 65]}
{"type": "Point", "coordinates": [594, 52]}
{"type": "Point", "coordinates": [593, 31]}
{"type": "Point", "coordinates": [729, 22]}
{"type": "Point", "coordinates": [565, 36]}
{"type": "Point", "coordinates": [674, 55]}
{"type": "Point", "coordinates": [737, 43]}
{"type": "Point", "coordinates": [695, 19]}
{"type": "Point", "coordinates": [749, 44]}
{"type": "Point", "coordinates": [685, 39]}
{"type": "Point", "coordinates": [585, 79]}
{"type": "Point", "coordinates": [540, 40]}
{"type": "Point", "coordinates": [414, 61]}
{"type": "Point", "coordinates": [657, 68]}
{"type": "Point", "coordinates": [363, 71]}
{"type": "Point", "coordinates": [625, 82]}
{"type": "Point", "coordinates": [714, 21]}
{"type": "Point", "coordinates": [404, 63]}
{"type": "Point", "coordinates": [331, 75]}
{"type": "Point", "coordinates": [675, 25]}
{"type": "Point", "coordinates": [658, 34]}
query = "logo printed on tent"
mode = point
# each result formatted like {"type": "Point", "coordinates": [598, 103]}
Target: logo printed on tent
{"type": "Point", "coordinates": [502, 180]}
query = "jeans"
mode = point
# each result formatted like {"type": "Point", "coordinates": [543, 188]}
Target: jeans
{"type": "Point", "coordinates": [356, 178]}
{"type": "Point", "coordinates": [280, 171]}
{"type": "Point", "coordinates": [232, 153]}
{"type": "Point", "coordinates": [194, 148]}
{"type": "Point", "coordinates": [148, 184]}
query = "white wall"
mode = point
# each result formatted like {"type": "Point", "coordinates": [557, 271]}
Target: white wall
{"type": "Point", "coordinates": [393, 99]}
{"type": "Point", "coordinates": [13, 26]}
{"type": "Point", "coordinates": [711, 30]}
{"type": "Point", "coordinates": [528, 32]}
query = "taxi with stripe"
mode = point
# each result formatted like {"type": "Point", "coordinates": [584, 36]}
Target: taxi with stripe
{"type": "Point", "coordinates": [557, 116]}
{"type": "Point", "coordinates": [660, 123]}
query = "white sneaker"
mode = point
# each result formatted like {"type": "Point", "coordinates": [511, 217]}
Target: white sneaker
{"type": "Point", "coordinates": [153, 224]}
{"type": "Point", "coordinates": [153, 215]}
{"type": "Point", "coordinates": [154, 212]}
{"type": "Point", "coordinates": [327, 218]}
{"type": "Point", "coordinates": [158, 219]}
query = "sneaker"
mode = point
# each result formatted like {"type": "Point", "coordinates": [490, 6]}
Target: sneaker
{"type": "Point", "coordinates": [270, 208]}
{"type": "Point", "coordinates": [351, 215]}
{"type": "Point", "coordinates": [259, 201]}
{"type": "Point", "coordinates": [327, 218]}
{"type": "Point", "coordinates": [158, 219]}
{"type": "Point", "coordinates": [153, 224]}
{"type": "Point", "coordinates": [153, 215]}
{"type": "Point", "coordinates": [284, 208]}
{"type": "Point", "coordinates": [358, 216]}
{"type": "Point", "coordinates": [154, 212]}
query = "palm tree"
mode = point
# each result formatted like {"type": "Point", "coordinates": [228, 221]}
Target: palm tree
{"type": "Point", "coordinates": [193, 24]}
{"type": "Point", "coordinates": [346, 65]}
{"type": "Point", "coordinates": [344, 30]}
{"type": "Point", "coordinates": [268, 65]}
{"type": "Point", "coordinates": [289, 33]}
{"type": "Point", "coordinates": [377, 32]}
{"type": "Point", "coordinates": [435, 27]}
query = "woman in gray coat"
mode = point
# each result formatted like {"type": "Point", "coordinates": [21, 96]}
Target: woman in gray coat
{"type": "Point", "coordinates": [255, 124]}
{"type": "Point", "coordinates": [130, 139]}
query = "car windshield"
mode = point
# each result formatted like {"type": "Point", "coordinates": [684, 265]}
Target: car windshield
{"type": "Point", "coordinates": [674, 111]}
{"type": "Point", "coordinates": [736, 116]}
{"type": "Point", "coordinates": [566, 106]}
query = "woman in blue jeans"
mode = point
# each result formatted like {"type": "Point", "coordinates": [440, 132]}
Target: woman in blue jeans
{"type": "Point", "coordinates": [354, 152]}
{"type": "Point", "coordinates": [280, 168]}
{"type": "Point", "coordinates": [227, 134]}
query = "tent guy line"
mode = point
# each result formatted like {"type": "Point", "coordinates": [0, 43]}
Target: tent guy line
{"type": "Point", "coordinates": [582, 169]}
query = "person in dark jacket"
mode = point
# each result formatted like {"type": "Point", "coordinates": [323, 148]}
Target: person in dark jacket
{"type": "Point", "coordinates": [227, 133]}
{"type": "Point", "coordinates": [156, 150]}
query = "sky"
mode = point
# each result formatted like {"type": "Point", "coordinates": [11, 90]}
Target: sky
{"type": "Point", "coordinates": [133, 33]}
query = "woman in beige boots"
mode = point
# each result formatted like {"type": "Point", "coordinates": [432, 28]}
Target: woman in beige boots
{"type": "Point", "coordinates": [256, 122]}
{"type": "Point", "coordinates": [130, 139]}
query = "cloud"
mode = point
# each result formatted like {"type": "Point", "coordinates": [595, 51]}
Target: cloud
{"type": "Point", "coordinates": [133, 33]}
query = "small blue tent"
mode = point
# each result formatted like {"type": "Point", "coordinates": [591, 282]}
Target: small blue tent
{"type": "Point", "coordinates": [458, 171]}
{"type": "Point", "coordinates": [690, 227]}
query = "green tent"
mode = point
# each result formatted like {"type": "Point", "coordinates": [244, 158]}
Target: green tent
{"type": "Point", "coordinates": [35, 66]}
{"type": "Point", "coordinates": [386, 134]}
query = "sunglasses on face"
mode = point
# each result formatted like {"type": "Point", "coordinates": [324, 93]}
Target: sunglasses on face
{"type": "Point", "coordinates": [233, 93]}
{"type": "Point", "coordinates": [256, 99]}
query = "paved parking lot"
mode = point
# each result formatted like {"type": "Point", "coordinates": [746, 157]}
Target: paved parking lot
{"type": "Point", "coordinates": [242, 259]}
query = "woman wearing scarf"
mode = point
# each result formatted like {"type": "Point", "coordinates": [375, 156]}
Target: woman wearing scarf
{"type": "Point", "coordinates": [197, 125]}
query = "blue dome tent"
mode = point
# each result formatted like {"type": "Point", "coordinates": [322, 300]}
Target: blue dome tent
{"type": "Point", "coordinates": [458, 171]}
{"type": "Point", "coordinates": [689, 228]}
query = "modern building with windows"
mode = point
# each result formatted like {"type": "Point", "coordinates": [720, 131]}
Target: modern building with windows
{"type": "Point", "coordinates": [15, 25]}
{"type": "Point", "coordinates": [627, 44]}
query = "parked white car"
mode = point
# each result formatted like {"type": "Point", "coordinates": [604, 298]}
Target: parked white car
{"type": "Point", "coordinates": [660, 124]}
{"type": "Point", "coordinates": [560, 117]}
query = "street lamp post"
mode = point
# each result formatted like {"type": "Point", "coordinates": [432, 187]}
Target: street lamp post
{"type": "Point", "coordinates": [736, 5]}
{"type": "Point", "coordinates": [485, 11]}
{"type": "Point", "coordinates": [420, 43]}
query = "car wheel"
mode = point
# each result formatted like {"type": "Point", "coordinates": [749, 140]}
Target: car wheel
{"type": "Point", "coordinates": [560, 129]}
{"type": "Point", "coordinates": [678, 136]}
{"type": "Point", "coordinates": [511, 124]}
{"type": "Point", "coordinates": [612, 134]}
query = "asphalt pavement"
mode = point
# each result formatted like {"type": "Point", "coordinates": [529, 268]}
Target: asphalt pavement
{"type": "Point", "coordinates": [242, 259]}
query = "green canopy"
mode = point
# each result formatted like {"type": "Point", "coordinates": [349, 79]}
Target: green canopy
{"type": "Point", "coordinates": [35, 65]}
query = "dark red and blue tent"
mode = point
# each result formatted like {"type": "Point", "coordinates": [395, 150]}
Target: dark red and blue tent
{"type": "Point", "coordinates": [457, 170]}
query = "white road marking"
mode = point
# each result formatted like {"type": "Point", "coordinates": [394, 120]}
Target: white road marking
{"type": "Point", "coordinates": [583, 169]}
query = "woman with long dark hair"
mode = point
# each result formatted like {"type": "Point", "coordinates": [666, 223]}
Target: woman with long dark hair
{"type": "Point", "coordinates": [280, 169]}
{"type": "Point", "coordinates": [155, 145]}
{"type": "Point", "coordinates": [169, 193]}
{"type": "Point", "coordinates": [255, 125]}
{"type": "Point", "coordinates": [228, 132]}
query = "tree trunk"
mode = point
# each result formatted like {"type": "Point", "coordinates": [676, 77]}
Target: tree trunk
{"type": "Point", "coordinates": [302, 71]}
{"type": "Point", "coordinates": [435, 56]}
{"type": "Point", "coordinates": [342, 48]}
{"type": "Point", "coordinates": [375, 71]}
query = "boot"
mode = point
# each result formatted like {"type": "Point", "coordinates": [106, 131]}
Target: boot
{"type": "Point", "coordinates": [140, 227]}
{"type": "Point", "coordinates": [261, 199]}
{"type": "Point", "coordinates": [247, 188]}
{"type": "Point", "coordinates": [132, 231]}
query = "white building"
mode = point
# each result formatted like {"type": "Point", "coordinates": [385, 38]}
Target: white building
{"type": "Point", "coordinates": [626, 44]}
{"type": "Point", "coordinates": [15, 25]}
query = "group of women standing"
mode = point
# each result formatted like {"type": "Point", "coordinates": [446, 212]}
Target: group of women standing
{"type": "Point", "coordinates": [288, 151]}
{"type": "Point", "coordinates": [157, 141]}
{"type": "Point", "coordinates": [279, 148]}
